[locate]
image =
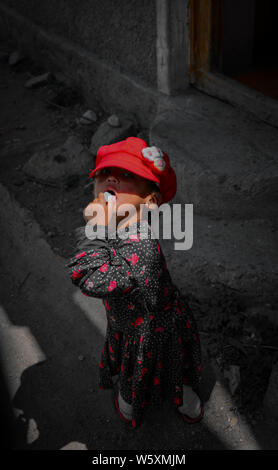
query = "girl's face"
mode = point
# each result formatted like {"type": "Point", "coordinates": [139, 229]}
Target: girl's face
{"type": "Point", "coordinates": [126, 186]}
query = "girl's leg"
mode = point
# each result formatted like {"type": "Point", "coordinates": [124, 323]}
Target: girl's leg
{"type": "Point", "coordinates": [191, 403]}
{"type": "Point", "coordinates": [124, 407]}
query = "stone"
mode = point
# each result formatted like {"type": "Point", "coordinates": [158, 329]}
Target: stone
{"type": "Point", "coordinates": [61, 162]}
{"type": "Point", "coordinates": [74, 446]}
{"type": "Point", "coordinates": [39, 80]}
{"type": "Point", "coordinates": [234, 421]}
{"type": "Point", "coordinates": [88, 117]}
{"type": "Point", "coordinates": [114, 121]}
{"type": "Point", "coordinates": [15, 57]}
{"type": "Point", "coordinates": [106, 135]}
{"type": "Point", "coordinates": [270, 401]}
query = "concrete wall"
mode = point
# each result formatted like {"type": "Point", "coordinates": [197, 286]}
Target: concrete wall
{"type": "Point", "coordinates": [108, 47]}
{"type": "Point", "coordinates": [120, 33]}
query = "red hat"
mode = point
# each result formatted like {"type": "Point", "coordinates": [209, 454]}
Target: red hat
{"type": "Point", "coordinates": [134, 155]}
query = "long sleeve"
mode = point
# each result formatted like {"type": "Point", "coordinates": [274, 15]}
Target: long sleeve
{"type": "Point", "coordinates": [108, 268]}
{"type": "Point", "coordinates": [102, 267]}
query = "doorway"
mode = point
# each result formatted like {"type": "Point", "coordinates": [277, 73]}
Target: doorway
{"type": "Point", "coordinates": [250, 37]}
{"type": "Point", "coordinates": [236, 38]}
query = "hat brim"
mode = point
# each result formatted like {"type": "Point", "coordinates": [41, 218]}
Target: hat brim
{"type": "Point", "coordinates": [126, 162]}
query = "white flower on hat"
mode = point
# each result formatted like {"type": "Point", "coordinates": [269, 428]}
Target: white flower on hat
{"type": "Point", "coordinates": [155, 155]}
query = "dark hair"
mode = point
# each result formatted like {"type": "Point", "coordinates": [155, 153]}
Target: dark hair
{"type": "Point", "coordinates": [153, 186]}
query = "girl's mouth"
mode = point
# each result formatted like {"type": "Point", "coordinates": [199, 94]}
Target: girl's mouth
{"type": "Point", "coordinates": [108, 193]}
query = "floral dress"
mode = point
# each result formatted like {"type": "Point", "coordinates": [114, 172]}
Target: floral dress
{"type": "Point", "coordinates": [151, 341]}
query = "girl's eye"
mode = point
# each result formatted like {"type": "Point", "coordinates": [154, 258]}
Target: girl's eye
{"type": "Point", "coordinates": [127, 174]}
{"type": "Point", "coordinates": [102, 172]}
{"type": "Point", "coordinates": [105, 171]}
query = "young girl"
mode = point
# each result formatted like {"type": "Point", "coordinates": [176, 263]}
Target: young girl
{"type": "Point", "coordinates": [151, 342]}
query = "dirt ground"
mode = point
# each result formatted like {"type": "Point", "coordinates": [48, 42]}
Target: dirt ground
{"type": "Point", "coordinates": [36, 119]}
{"type": "Point", "coordinates": [30, 123]}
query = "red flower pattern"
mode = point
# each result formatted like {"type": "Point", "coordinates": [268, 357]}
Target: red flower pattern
{"type": "Point", "coordinates": [134, 238]}
{"type": "Point", "coordinates": [112, 286]}
{"type": "Point", "coordinates": [159, 329]}
{"type": "Point", "coordinates": [127, 290]}
{"type": "Point", "coordinates": [138, 321]}
{"type": "Point", "coordinates": [104, 268]}
{"type": "Point", "coordinates": [80, 255]}
{"type": "Point", "coordinates": [144, 371]}
{"type": "Point", "coordinates": [133, 259]}
{"type": "Point", "coordinates": [76, 274]}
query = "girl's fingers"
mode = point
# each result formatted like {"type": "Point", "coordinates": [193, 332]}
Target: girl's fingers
{"type": "Point", "coordinates": [109, 209]}
{"type": "Point", "coordinates": [101, 198]}
{"type": "Point", "coordinates": [111, 201]}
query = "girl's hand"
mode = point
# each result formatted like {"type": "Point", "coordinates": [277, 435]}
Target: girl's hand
{"type": "Point", "coordinates": [96, 213]}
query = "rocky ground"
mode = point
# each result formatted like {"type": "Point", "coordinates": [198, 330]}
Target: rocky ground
{"type": "Point", "coordinates": [38, 116]}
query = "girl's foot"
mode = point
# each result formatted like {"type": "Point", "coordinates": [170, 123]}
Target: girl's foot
{"type": "Point", "coordinates": [192, 408]}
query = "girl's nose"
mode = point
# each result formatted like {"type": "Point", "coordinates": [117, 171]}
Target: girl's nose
{"type": "Point", "coordinates": [112, 178]}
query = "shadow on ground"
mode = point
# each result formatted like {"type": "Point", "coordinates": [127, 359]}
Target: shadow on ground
{"type": "Point", "coordinates": [58, 401]}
